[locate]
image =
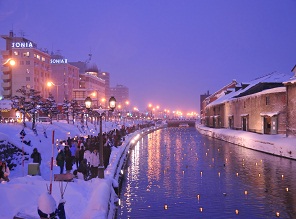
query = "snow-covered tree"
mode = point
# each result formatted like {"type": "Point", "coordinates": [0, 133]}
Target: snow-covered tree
{"type": "Point", "coordinates": [28, 102]}
{"type": "Point", "coordinates": [50, 107]}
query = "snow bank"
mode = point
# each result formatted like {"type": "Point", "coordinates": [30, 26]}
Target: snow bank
{"type": "Point", "coordinates": [278, 145]}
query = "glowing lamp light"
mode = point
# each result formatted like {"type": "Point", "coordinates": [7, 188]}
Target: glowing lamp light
{"type": "Point", "coordinates": [198, 197]}
{"type": "Point", "coordinates": [219, 174]}
{"type": "Point", "coordinates": [112, 103]}
{"type": "Point", "coordinates": [236, 174]}
{"type": "Point", "coordinates": [277, 214]}
{"type": "Point", "coordinates": [201, 173]}
{"type": "Point", "coordinates": [165, 207]}
{"type": "Point", "coordinates": [88, 102]}
{"type": "Point", "coordinates": [259, 174]}
{"type": "Point", "coordinates": [200, 209]}
{"type": "Point", "coordinates": [246, 192]}
{"type": "Point", "coordinates": [287, 189]}
{"type": "Point", "coordinates": [282, 176]}
{"type": "Point", "coordinates": [236, 211]}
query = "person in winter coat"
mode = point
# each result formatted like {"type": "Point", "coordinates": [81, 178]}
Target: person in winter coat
{"type": "Point", "coordinates": [94, 163]}
{"type": "Point", "coordinates": [68, 159]}
{"type": "Point", "coordinates": [60, 160]}
{"type": "Point", "coordinates": [36, 156]}
{"type": "Point", "coordinates": [5, 171]}
{"type": "Point", "coordinates": [81, 154]}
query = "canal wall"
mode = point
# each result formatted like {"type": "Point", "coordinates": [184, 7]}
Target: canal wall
{"type": "Point", "coordinates": [114, 171]}
{"type": "Point", "coordinates": [278, 145]}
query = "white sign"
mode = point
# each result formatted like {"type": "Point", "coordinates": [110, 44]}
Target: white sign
{"type": "Point", "coordinates": [22, 45]}
{"type": "Point", "coordinates": [58, 61]}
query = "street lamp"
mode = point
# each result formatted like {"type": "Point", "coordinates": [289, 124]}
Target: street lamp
{"type": "Point", "coordinates": [88, 103]}
{"type": "Point", "coordinates": [50, 83]}
{"type": "Point", "coordinates": [101, 111]}
{"type": "Point", "coordinates": [9, 61]}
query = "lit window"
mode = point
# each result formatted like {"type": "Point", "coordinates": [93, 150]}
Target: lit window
{"type": "Point", "coordinates": [38, 57]}
{"type": "Point", "coordinates": [16, 53]}
{"type": "Point", "coordinates": [43, 59]}
{"type": "Point", "coordinates": [26, 54]}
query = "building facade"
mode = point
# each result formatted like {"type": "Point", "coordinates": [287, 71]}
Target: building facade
{"type": "Point", "coordinates": [121, 94]}
{"type": "Point", "coordinates": [261, 106]}
{"type": "Point", "coordinates": [64, 78]}
{"type": "Point", "coordinates": [32, 67]}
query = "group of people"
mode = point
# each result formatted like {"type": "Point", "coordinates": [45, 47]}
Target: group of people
{"type": "Point", "coordinates": [4, 171]}
{"type": "Point", "coordinates": [84, 153]}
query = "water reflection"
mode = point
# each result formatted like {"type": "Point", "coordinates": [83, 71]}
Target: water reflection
{"type": "Point", "coordinates": [178, 173]}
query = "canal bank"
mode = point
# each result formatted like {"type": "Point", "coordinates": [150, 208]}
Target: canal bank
{"type": "Point", "coordinates": [278, 145]}
{"type": "Point", "coordinates": [114, 171]}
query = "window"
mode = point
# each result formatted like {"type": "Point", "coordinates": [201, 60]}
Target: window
{"type": "Point", "coordinates": [26, 54]}
{"type": "Point", "coordinates": [244, 104]}
{"type": "Point", "coordinates": [27, 78]}
{"type": "Point", "coordinates": [267, 101]}
{"type": "Point", "coordinates": [43, 59]}
{"type": "Point", "coordinates": [16, 53]}
{"type": "Point", "coordinates": [27, 62]}
{"type": "Point", "coordinates": [38, 57]}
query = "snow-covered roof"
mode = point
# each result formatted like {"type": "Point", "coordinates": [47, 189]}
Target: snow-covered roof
{"type": "Point", "coordinates": [271, 114]}
{"type": "Point", "coordinates": [270, 78]}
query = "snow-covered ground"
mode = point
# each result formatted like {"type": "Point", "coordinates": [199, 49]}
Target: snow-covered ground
{"type": "Point", "coordinates": [84, 199]}
{"type": "Point", "coordinates": [279, 145]}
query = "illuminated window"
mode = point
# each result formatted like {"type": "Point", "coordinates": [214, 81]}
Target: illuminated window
{"type": "Point", "coordinates": [16, 53]}
{"type": "Point", "coordinates": [43, 59]}
{"type": "Point", "coordinates": [35, 55]}
{"type": "Point", "coordinates": [38, 57]}
{"type": "Point", "coordinates": [26, 54]}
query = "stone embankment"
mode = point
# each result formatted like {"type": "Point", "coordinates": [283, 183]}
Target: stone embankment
{"type": "Point", "coordinates": [114, 171]}
{"type": "Point", "coordinates": [278, 145]}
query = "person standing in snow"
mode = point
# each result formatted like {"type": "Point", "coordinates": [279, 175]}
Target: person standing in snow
{"type": "Point", "coordinates": [5, 171]}
{"type": "Point", "coordinates": [60, 160]}
{"type": "Point", "coordinates": [94, 163]}
{"type": "Point", "coordinates": [68, 159]}
{"type": "Point", "coordinates": [36, 156]}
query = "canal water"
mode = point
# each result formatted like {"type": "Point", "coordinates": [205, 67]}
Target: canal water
{"type": "Point", "coordinates": [179, 173]}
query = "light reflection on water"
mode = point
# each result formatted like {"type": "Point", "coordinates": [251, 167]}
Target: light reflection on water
{"type": "Point", "coordinates": [178, 173]}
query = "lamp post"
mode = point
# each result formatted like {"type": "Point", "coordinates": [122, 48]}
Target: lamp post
{"type": "Point", "coordinates": [101, 111]}
{"type": "Point", "coordinates": [88, 103]}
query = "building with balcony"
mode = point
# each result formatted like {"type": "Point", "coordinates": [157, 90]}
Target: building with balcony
{"type": "Point", "coordinates": [32, 67]}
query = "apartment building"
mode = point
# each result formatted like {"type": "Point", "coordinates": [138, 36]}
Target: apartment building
{"type": "Point", "coordinates": [32, 67]}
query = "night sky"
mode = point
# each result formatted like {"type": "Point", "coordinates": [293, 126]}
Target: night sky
{"type": "Point", "coordinates": [168, 52]}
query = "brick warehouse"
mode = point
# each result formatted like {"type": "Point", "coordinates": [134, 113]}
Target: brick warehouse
{"type": "Point", "coordinates": [265, 105]}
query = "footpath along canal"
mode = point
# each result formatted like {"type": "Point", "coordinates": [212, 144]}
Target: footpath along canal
{"type": "Point", "coordinates": [179, 173]}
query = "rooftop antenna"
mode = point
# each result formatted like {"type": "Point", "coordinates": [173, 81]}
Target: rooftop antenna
{"type": "Point", "coordinates": [89, 58]}
{"type": "Point", "coordinates": [22, 33]}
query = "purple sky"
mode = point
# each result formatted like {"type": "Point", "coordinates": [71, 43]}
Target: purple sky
{"type": "Point", "coordinates": [167, 52]}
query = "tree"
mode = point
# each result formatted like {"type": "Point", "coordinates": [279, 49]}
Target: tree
{"type": "Point", "coordinates": [75, 109]}
{"type": "Point", "coordinates": [66, 109]}
{"type": "Point", "coordinates": [29, 102]}
{"type": "Point", "coordinates": [50, 107]}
